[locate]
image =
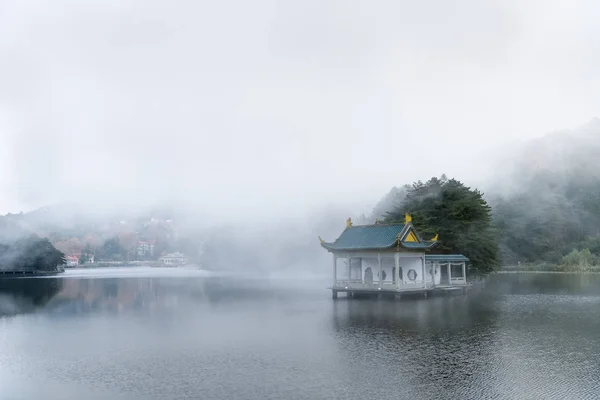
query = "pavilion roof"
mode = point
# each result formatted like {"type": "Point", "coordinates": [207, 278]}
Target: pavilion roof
{"type": "Point", "coordinates": [377, 237]}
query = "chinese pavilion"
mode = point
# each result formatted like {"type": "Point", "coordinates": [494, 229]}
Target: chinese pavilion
{"type": "Point", "coordinates": [391, 258]}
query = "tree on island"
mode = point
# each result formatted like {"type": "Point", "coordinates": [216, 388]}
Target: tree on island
{"type": "Point", "coordinates": [30, 254]}
{"type": "Point", "coordinates": [459, 214]}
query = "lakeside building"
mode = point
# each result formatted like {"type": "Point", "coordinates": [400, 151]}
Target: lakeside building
{"type": "Point", "coordinates": [146, 248]}
{"type": "Point", "coordinates": [393, 259]}
{"type": "Point", "coordinates": [176, 258]}
{"type": "Point", "coordinates": [71, 261]}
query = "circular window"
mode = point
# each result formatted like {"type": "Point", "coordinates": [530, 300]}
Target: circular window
{"type": "Point", "coordinates": [412, 275]}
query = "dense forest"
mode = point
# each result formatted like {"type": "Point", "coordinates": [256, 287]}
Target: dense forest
{"type": "Point", "coordinates": [458, 214]}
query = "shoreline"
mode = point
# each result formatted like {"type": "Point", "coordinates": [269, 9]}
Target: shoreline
{"type": "Point", "coordinates": [21, 274]}
{"type": "Point", "coordinates": [548, 272]}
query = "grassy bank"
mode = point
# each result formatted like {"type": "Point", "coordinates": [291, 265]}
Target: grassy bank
{"type": "Point", "coordinates": [548, 267]}
{"type": "Point", "coordinates": [577, 261]}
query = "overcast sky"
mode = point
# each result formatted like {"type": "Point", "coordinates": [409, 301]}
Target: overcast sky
{"type": "Point", "coordinates": [260, 106]}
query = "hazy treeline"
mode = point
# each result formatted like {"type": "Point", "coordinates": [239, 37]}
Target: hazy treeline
{"type": "Point", "coordinates": [30, 254]}
{"type": "Point", "coordinates": [545, 205]}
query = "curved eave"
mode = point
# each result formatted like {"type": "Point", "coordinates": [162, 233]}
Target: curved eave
{"type": "Point", "coordinates": [446, 258]}
{"type": "Point", "coordinates": [425, 245]}
{"type": "Point", "coordinates": [405, 245]}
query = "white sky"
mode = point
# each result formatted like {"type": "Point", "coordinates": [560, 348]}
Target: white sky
{"type": "Point", "coordinates": [254, 107]}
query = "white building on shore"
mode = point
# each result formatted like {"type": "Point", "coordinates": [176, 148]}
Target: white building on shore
{"type": "Point", "coordinates": [173, 259]}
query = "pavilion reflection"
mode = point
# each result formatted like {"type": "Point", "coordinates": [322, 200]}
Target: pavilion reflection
{"type": "Point", "coordinates": [440, 345]}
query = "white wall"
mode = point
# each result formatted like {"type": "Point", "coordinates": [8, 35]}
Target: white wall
{"type": "Point", "coordinates": [388, 264]}
{"type": "Point", "coordinates": [342, 268]}
{"type": "Point", "coordinates": [373, 264]}
{"type": "Point", "coordinates": [408, 263]}
{"type": "Point", "coordinates": [433, 267]}
{"type": "Point", "coordinates": [355, 271]}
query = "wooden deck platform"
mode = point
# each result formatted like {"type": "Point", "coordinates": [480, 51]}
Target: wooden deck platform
{"type": "Point", "coordinates": [438, 289]}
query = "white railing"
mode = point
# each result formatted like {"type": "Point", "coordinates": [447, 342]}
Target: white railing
{"type": "Point", "coordinates": [358, 284]}
{"type": "Point", "coordinates": [388, 285]}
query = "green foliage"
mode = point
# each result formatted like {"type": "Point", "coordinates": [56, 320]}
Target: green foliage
{"type": "Point", "coordinates": [459, 214]}
{"type": "Point", "coordinates": [577, 257]}
{"type": "Point", "coordinates": [580, 260]}
{"type": "Point", "coordinates": [30, 253]}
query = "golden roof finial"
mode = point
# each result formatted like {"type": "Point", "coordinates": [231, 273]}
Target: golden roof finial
{"type": "Point", "coordinates": [435, 238]}
{"type": "Point", "coordinates": [407, 218]}
{"type": "Point", "coordinates": [349, 223]}
{"type": "Point", "coordinates": [321, 239]}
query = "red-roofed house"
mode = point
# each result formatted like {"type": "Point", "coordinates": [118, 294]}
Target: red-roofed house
{"type": "Point", "coordinates": [72, 261]}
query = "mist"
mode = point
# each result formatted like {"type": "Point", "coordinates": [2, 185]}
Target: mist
{"type": "Point", "coordinates": [238, 110]}
{"type": "Point", "coordinates": [263, 126]}
{"type": "Point", "coordinates": [235, 135]}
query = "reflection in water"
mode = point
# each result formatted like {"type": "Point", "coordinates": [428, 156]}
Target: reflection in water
{"type": "Point", "coordinates": [423, 348]}
{"type": "Point", "coordinates": [516, 337]}
{"type": "Point", "coordinates": [23, 295]}
{"type": "Point", "coordinates": [555, 284]}
{"type": "Point", "coordinates": [73, 296]}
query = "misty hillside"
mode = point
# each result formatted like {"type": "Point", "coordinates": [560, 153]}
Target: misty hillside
{"type": "Point", "coordinates": [548, 201]}
{"type": "Point", "coordinates": [545, 201]}
{"type": "Point", "coordinates": [556, 160]}
{"type": "Point", "coordinates": [545, 197]}
{"type": "Point", "coordinates": [289, 245]}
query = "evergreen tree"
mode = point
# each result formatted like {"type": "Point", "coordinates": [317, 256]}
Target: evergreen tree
{"type": "Point", "coordinates": [459, 214]}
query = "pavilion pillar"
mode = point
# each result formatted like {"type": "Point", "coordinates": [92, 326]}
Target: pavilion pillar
{"type": "Point", "coordinates": [362, 279]}
{"type": "Point", "coordinates": [380, 271]}
{"type": "Point", "coordinates": [423, 271]}
{"type": "Point", "coordinates": [449, 273]}
{"type": "Point", "coordinates": [397, 273]}
{"type": "Point", "coordinates": [334, 269]}
{"type": "Point", "coordinates": [349, 266]}
{"type": "Point", "coordinates": [464, 271]}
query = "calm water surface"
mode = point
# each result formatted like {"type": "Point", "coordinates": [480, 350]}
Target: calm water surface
{"type": "Point", "coordinates": [156, 334]}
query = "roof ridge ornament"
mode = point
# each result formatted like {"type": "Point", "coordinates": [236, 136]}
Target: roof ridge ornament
{"type": "Point", "coordinates": [435, 238]}
{"type": "Point", "coordinates": [407, 218]}
{"type": "Point", "coordinates": [321, 239]}
{"type": "Point", "coordinates": [349, 223]}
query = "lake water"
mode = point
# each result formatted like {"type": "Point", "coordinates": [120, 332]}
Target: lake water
{"type": "Point", "coordinates": [178, 334]}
